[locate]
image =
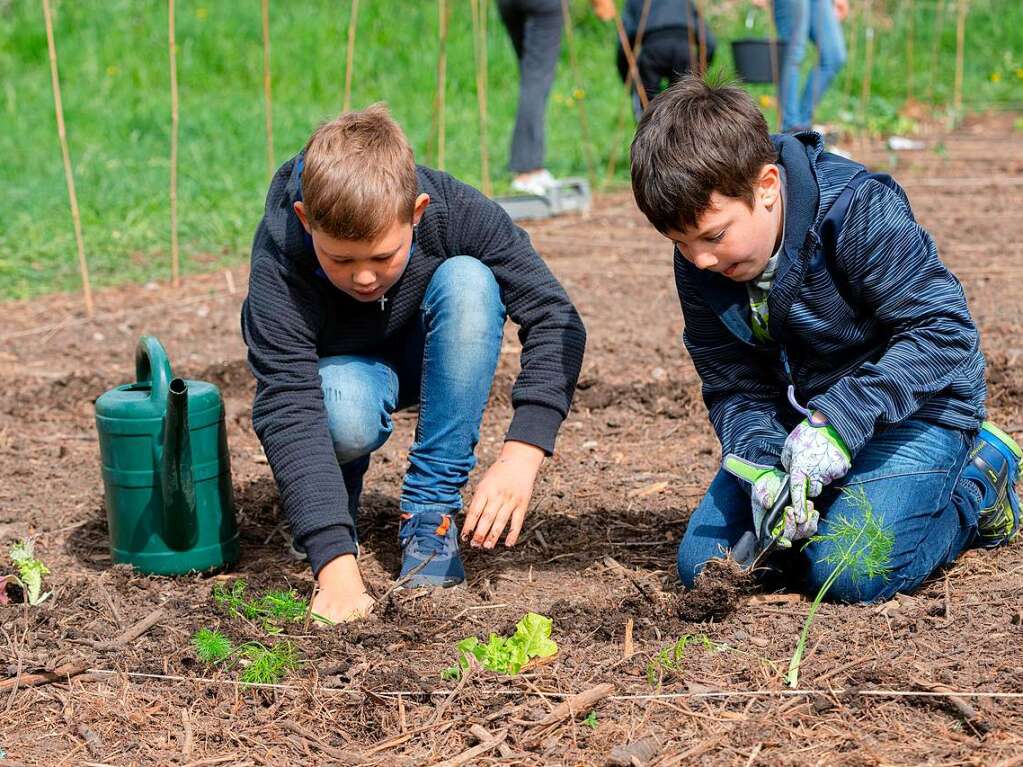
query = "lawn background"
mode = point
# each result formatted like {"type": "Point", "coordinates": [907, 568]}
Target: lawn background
{"type": "Point", "coordinates": [115, 84]}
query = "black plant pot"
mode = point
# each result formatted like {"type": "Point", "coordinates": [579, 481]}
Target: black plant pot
{"type": "Point", "coordinates": [753, 59]}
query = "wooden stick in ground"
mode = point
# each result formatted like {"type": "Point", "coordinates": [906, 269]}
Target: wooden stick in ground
{"type": "Point", "coordinates": [701, 37]}
{"type": "Point", "coordinates": [69, 177]}
{"type": "Point", "coordinates": [469, 755]}
{"type": "Point", "coordinates": [59, 674]}
{"type": "Point", "coordinates": [267, 98]}
{"type": "Point", "coordinates": [345, 757]}
{"type": "Point", "coordinates": [576, 704]}
{"type": "Point", "coordinates": [442, 69]}
{"type": "Point", "coordinates": [909, 49]}
{"type": "Point", "coordinates": [968, 712]}
{"type": "Point", "coordinates": [483, 735]}
{"type": "Point", "coordinates": [173, 53]}
{"type": "Point", "coordinates": [479, 39]}
{"type": "Point", "coordinates": [584, 127]}
{"type": "Point", "coordinates": [132, 632]}
{"type": "Point", "coordinates": [623, 39]}
{"type": "Point", "coordinates": [626, 105]}
{"type": "Point", "coordinates": [346, 102]}
{"type": "Point", "coordinates": [957, 89]}
{"type": "Point", "coordinates": [868, 64]}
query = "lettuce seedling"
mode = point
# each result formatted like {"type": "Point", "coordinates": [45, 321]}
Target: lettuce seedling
{"type": "Point", "coordinates": [507, 655]}
{"type": "Point", "coordinates": [30, 572]}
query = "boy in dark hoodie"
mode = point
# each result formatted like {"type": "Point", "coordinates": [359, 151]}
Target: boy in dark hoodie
{"type": "Point", "coordinates": [377, 284]}
{"type": "Point", "coordinates": [835, 348]}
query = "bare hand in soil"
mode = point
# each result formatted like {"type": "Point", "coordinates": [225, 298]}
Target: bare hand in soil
{"type": "Point", "coordinates": [342, 596]}
{"type": "Point", "coordinates": [503, 495]}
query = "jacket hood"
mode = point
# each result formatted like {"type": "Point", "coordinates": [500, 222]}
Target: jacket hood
{"type": "Point", "coordinates": [280, 219]}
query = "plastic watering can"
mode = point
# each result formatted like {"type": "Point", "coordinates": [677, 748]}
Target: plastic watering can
{"type": "Point", "coordinates": [166, 470]}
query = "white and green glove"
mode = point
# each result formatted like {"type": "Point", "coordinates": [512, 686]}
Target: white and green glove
{"type": "Point", "coordinates": [766, 482]}
{"type": "Point", "coordinates": [815, 456]}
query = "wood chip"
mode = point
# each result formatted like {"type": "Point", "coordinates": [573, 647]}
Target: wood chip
{"type": "Point", "coordinates": [641, 751]}
{"type": "Point", "coordinates": [470, 754]}
{"type": "Point", "coordinates": [576, 704]}
{"type": "Point", "coordinates": [652, 489]}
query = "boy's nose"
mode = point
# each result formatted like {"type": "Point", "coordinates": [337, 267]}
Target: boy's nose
{"type": "Point", "coordinates": [364, 277]}
{"type": "Point", "coordinates": [704, 261]}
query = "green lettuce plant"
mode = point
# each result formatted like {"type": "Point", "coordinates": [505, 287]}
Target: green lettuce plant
{"type": "Point", "coordinates": [507, 655]}
{"type": "Point", "coordinates": [30, 572]}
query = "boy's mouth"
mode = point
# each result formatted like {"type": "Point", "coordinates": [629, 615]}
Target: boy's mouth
{"type": "Point", "coordinates": [730, 270]}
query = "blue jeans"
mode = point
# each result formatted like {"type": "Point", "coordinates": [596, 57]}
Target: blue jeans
{"type": "Point", "coordinates": [445, 362]}
{"type": "Point", "coordinates": [910, 473]}
{"type": "Point", "coordinates": [798, 21]}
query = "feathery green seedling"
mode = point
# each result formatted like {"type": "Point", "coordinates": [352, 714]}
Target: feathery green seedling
{"type": "Point", "coordinates": [262, 664]}
{"type": "Point", "coordinates": [669, 659]}
{"type": "Point", "coordinates": [864, 550]}
{"type": "Point", "coordinates": [30, 572]}
{"type": "Point", "coordinates": [211, 647]}
{"type": "Point", "coordinates": [590, 720]}
{"type": "Point", "coordinates": [270, 610]}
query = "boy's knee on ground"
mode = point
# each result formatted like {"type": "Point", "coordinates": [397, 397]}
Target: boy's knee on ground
{"type": "Point", "coordinates": [845, 588]}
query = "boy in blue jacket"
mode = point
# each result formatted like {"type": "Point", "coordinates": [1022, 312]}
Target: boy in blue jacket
{"type": "Point", "coordinates": [835, 348]}
{"type": "Point", "coordinates": [377, 284]}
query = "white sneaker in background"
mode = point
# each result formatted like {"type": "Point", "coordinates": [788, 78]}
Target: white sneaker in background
{"type": "Point", "coordinates": [536, 183]}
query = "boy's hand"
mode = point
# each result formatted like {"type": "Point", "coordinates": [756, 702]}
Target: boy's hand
{"type": "Point", "coordinates": [342, 596]}
{"type": "Point", "coordinates": [605, 9]}
{"type": "Point", "coordinates": [814, 455]}
{"type": "Point", "coordinates": [503, 496]}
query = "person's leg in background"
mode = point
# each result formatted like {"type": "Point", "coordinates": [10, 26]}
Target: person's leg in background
{"type": "Point", "coordinates": [792, 20]}
{"type": "Point", "coordinates": [535, 30]}
{"type": "Point", "coordinates": [448, 367]}
{"type": "Point", "coordinates": [910, 478]}
{"type": "Point", "coordinates": [826, 33]}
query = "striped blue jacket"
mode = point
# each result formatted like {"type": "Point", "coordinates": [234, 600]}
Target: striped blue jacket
{"type": "Point", "coordinates": [870, 328]}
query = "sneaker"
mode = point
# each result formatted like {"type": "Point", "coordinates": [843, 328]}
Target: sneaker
{"type": "Point", "coordinates": [429, 541]}
{"type": "Point", "coordinates": [538, 183]}
{"type": "Point", "coordinates": [994, 465]}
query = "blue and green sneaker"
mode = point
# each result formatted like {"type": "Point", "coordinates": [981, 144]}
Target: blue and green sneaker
{"type": "Point", "coordinates": [994, 465]}
{"type": "Point", "coordinates": [429, 541]}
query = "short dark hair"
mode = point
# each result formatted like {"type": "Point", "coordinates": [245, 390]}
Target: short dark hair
{"type": "Point", "coordinates": [694, 139]}
{"type": "Point", "coordinates": [359, 175]}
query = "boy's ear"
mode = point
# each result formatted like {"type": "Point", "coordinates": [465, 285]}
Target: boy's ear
{"type": "Point", "coordinates": [768, 187]}
{"type": "Point", "coordinates": [300, 212]}
{"type": "Point", "coordinates": [417, 213]}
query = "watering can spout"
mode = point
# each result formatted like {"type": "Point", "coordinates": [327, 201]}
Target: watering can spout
{"type": "Point", "coordinates": [180, 525]}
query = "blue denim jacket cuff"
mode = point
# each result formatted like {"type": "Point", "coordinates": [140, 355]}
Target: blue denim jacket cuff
{"type": "Point", "coordinates": [535, 425]}
{"type": "Point", "coordinates": [324, 545]}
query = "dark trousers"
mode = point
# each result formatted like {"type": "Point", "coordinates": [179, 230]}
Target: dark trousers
{"type": "Point", "coordinates": [534, 27]}
{"type": "Point", "coordinates": [663, 55]}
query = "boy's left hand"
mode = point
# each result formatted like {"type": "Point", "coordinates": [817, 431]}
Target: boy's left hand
{"type": "Point", "coordinates": [502, 496]}
{"type": "Point", "coordinates": [814, 456]}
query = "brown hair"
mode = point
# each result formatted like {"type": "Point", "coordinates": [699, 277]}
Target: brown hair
{"type": "Point", "coordinates": [359, 175]}
{"type": "Point", "coordinates": [694, 139]}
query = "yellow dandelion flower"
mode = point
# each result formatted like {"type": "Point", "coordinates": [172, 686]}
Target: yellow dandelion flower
{"type": "Point", "coordinates": [113, 70]}
{"type": "Point", "coordinates": [201, 13]}
{"type": "Point", "coordinates": [766, 101]}
{"type": "Point", "coordinates": [996, 77]}
{"type": "Point", "coordinates": [578, 94]}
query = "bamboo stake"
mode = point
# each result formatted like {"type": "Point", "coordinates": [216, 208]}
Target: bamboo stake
{"type": "Point", "coordinates": [173, 51]}
{"type": "Point", "coordinates": [701, 37]}
{"type": "Point", "coordinates": [442, 68]}
{"type": "Point", "coordinates": [626, 105]}
{"type": "Point", "coordinates": [868, 64]}
{"type": "Point", "coordinates": [630, 59]}
{"type": "Point", "coordinates": [909, 49]}
{"type": "Point", "coordinates": [957, 90]}
{"type": "Point", "coordinates": [772, 50]}
{"type": "Point", "coordinates": [939, 29]}
{"type": "Point", "coordinates": [349, 56]}
{"type": "Point", "coordinates": [267, 98]}
{"type": "Point", "coordinates": [584, 126]}
{"type": "Point", "coordinates": [479, 32]}
{"type": "Point", "coordinates": [58, 107]}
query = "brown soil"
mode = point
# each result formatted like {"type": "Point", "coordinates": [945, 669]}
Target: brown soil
{"type": "Point", "coordinates": [633, 461]}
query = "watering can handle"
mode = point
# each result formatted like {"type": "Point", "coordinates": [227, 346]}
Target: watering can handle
{"type": "Point", "coordinates": [153, 367]}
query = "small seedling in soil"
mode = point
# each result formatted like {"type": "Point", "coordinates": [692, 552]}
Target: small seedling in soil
{"type": "Point", "coordinates": [271, 610]}
{"type": "Point", "coordinates": [590, 720]}
{"type": "Point", "coordinates": [864, 550]}
{"type": "Point", "coordinates": [30, 574]}
{"type": "Point", "coordinates": [507, 655]}
{"type": "Point", "coordinates": [669, 659]}
{"type": "Point", "coordinates": [261, 664]}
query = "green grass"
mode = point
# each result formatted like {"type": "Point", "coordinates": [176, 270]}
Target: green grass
{"type": "Point", "coordinates": [114, 76]}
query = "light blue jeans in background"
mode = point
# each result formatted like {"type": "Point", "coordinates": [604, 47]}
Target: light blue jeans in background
{"type": "Point", "coordinates": [445, 362]}
{"type": "Point", "coordinates": [797, 22]}
{"type": "Point", "coordinates": [909, 472]}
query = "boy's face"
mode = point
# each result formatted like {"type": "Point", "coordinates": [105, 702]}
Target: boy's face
{"type": "Point", "coordinates": [365, 269]}
{"type": "Point", "coordinates": [732, 239]}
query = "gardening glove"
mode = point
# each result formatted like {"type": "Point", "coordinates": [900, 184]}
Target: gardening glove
{"type": "Point", "coordinates": [765, 484]}
{"type": "Point", "coordinates": [814, 455]}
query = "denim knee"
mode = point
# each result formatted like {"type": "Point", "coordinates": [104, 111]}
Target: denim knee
{"type": "Point", "coordinates": [464, 288]}
{"type": "Point", "coordinates": [357, 395]}
{"type": "Point", "coordinates": [846, 588]}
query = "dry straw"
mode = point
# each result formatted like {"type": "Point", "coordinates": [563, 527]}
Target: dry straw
{"type": "Point", "coordinates": [76, 218]}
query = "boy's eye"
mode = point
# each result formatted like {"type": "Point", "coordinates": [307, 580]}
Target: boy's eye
{"type": "Point", "coordinates": [381, 258]}
{"type": "Point", "coordinates": [719, 236]}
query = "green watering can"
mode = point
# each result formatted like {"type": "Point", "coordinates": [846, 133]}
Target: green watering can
{"type": "Point", "coordinates": [166, 470]}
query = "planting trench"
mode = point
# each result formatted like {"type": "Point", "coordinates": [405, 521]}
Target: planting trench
{"type": "Point", "coordinates": [632, 462]}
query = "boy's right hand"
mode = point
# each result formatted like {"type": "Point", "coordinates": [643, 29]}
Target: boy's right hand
{"type": "Point", "coordinates": [342, 596]}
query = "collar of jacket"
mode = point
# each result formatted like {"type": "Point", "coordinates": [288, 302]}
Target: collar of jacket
{"type": "Point", "coordinates": [798, 155]}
